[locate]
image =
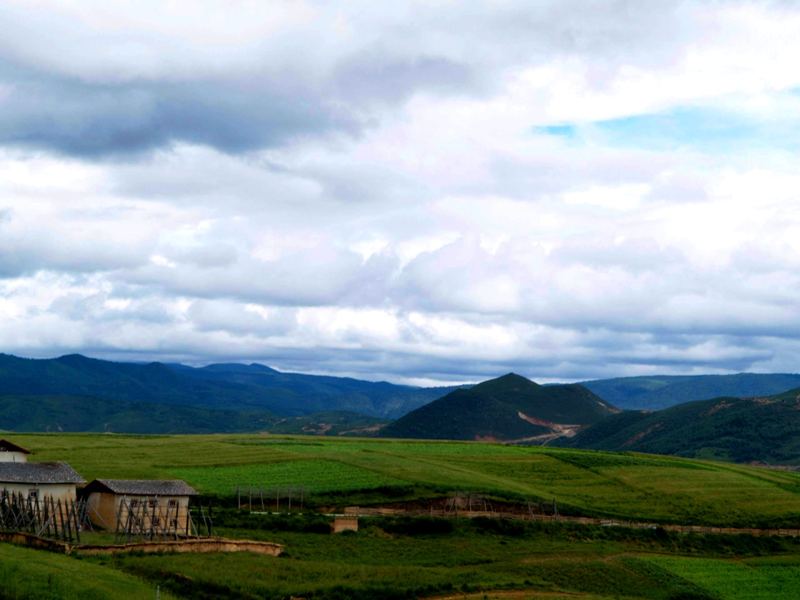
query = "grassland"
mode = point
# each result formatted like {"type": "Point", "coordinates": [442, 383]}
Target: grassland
{"type": "Point", "coordinates": [36, 575]}
{"type": "Point", "coordinates": [390, 559]}
{"type": "Point", "coordinates": [393, 558]}
{"type": "Point", "coordinates": [419, 557]}
{"type": "Point", "coordinates": [634, 486]}
{"type": "Point", "coordinates": [749, 579]}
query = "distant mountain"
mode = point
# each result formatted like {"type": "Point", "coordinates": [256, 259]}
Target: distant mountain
{"type": "Point", "coordinates": [762, 429]}
{"type": "Point", "coordinates": [507, 408]}
{"type": "Point", "coordinates": [83, 414]}
{"type": "Point", "coordinates": [230, 387]}
{"type": "Point", "coordinates": [661, 391]}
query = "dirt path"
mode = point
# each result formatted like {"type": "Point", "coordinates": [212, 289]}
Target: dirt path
{"type": "Point", "coordinates": [513, 595]}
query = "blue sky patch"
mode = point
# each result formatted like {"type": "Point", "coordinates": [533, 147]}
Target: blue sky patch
{"type": "Point", "coordinates": [704, 129]}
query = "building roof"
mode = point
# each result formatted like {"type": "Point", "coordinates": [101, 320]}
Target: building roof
{"type": "Point", "coordinates": [42, 472]}
{"type": "Point", "coordinates": [142, 487]}
{"type": "Point", "coordinates": [6, 446]}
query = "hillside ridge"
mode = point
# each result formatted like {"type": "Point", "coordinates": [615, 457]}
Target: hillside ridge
{"type": "Point", "coordinates": [763, 429]}
{"type": "Point", "coordinates": [509, 407]}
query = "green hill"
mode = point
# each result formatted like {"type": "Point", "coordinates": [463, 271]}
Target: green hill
{"type": "Point", "coordinates": [507, 408]}
{"type": "Point", "coordinates": [762, 429]}
{"type": "Point", "coordinates": [661, 391]}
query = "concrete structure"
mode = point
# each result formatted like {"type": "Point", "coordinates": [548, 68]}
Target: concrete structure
{"type": "Point", "coordinates": [12, 453]}
{"type": "Point", "coordinates": [344, 523]}
{"type": "Point", "coordinates": [140, 504]}
{"type": "Point", "coordinates": [56, 480]}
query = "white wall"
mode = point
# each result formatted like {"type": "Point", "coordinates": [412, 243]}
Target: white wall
{"type": "Point", "coordinates": [6, 456]}
{"type": "Point", "coordinates": [63, 491]}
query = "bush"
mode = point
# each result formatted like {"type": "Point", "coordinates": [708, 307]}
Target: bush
{"type": "Point", "coordinates": [507, 527]}
{"type": "Point", "coordinates": [417, 526]}
{"type": "Point", "coordinates": [305, 523]}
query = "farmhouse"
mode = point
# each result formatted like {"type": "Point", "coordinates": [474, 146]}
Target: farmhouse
{"type": "Point", "coordinates": [56, 480]}
{"type": "Point", "coordinates": [10, 452]}
{"type": "Point", "coordinates": [140, 505]}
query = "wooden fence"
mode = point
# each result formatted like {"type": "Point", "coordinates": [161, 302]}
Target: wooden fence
{"type": "Point", "coordinates": [43, 517]}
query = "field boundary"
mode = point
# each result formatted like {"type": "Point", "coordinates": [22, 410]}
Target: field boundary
{"type": "Point", "coordinates": [472, 514]}
{"type": "Point", "coordinates": [197, 546]}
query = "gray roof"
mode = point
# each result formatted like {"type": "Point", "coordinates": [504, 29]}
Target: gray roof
{"type": "Point", "coordinates": [42, 472]}
{"type": "Point", "coordinates": [143, 487]}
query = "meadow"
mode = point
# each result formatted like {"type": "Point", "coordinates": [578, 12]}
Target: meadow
{"type": "Point", "coordinates": [411, 557]}
{"type": "Point", "coordinates": [342, 471]}
{"type": "Point", "coordinates": [40, 575]}
{"type": "Point", "coordinates": [403, 558]}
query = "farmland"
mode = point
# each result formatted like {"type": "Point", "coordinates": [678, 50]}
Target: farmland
{"type": "Point", "coordinates": [394, 559]}
{"type": "Point", "coordinates": [643, 487]}
{"type": "Point", "coordinates": [416, 556]}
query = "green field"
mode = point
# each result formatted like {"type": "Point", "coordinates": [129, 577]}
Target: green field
{"type": "Point", "coordinates": [753, 579]}
{"type": "Point", "coordinates": [36, 575]}
{"type": "Point", "coordinates": [393, 558]}
{"type": "Point", "coordinates": [417, 558]}
{"type": "Point", "coordinates": [634, 486]}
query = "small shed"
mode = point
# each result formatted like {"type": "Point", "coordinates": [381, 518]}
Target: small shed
{"type": "Point", "coordinates": [140, 504]}
{"type": "Point", "coordinates": [56, 480]}
{"type": "Point", "coordinates": [10, 452]}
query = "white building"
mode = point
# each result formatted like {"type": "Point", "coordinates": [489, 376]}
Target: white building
{"type": "Point", "coordinates": [12, 453]}
{"type": "Point", "coordinates": [56, 480]}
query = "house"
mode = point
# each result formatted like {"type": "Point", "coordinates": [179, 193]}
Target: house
{"type": "Point", "coordinates": [56, 480]}
{"type": "Point", "coordinates": [10, 452]}
{"type": "Point", "coordinates": [140, 505]}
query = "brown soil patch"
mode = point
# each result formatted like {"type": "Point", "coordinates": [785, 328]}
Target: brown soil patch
{"type": "Point", "coordinates": [718, 407]}
{"type": "Point", "coordinates": [642, 434]}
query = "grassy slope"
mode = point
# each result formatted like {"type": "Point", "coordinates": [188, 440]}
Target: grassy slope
{"type": "Point", "coordinates": [491, 409]}
{"type": "Point", "coordinates": [400, 558]}
{"type": "Point", "coordinates": [35, 575]}
{"type": "Point", "coordinates": [387, 559]}
{"type": "Point", "coordinates": [741, 430]}
{"type": "Point", "coordinates": [750, 579]}
{"type": "Point", "coordinates": [630, 486]}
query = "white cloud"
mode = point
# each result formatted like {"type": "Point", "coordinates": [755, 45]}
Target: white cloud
{"type": "Point", "coordinates": [363, 189]}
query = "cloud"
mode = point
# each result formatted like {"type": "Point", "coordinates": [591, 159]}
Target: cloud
{"type": "Point", "coordinates": [423, 192]}
{"type": "Point", "coordinates": [97, 120]}
{"type": "Point", "coordinates": [96, 81]}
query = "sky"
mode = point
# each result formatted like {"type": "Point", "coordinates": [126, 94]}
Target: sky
{"type": "Point", "coordinates": [422, 192]}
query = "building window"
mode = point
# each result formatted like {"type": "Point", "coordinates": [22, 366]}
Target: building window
{"type": "Point", "coordinates": [172, 503]}
{"type": "Point", "coordinates": [152, 503]}
{"type": "Point", "coordinates": [33, 494]}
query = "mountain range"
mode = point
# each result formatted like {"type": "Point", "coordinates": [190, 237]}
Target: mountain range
{"type": "Point", "coordinates": [744, 417]}
{"type": "Point", "coordinates": [77, 393]}
{"type": "Point", "coordinates": [661, 391]}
